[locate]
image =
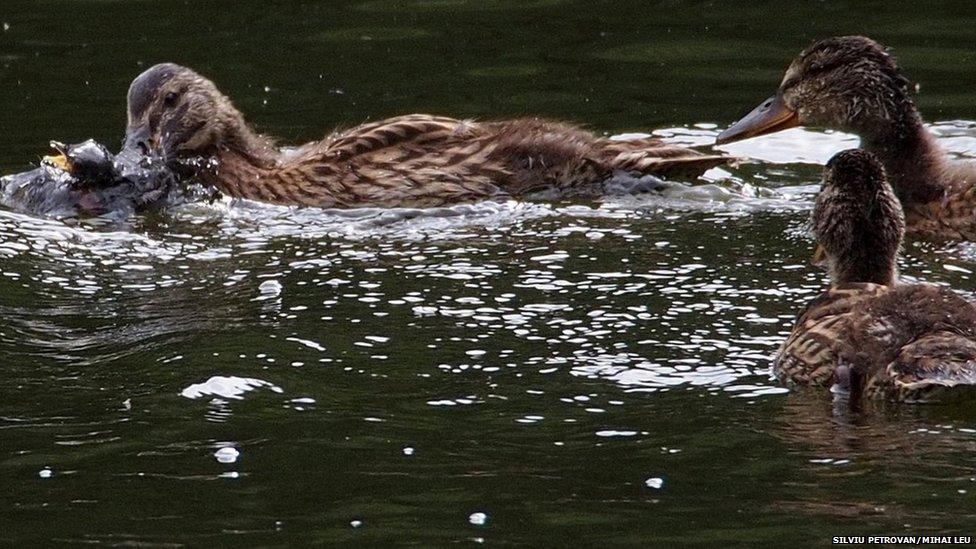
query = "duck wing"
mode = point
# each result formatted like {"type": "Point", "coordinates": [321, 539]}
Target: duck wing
{"type": "Point", "coordinates": [931, 363]}
{"type": "Point", "coordinates": [408, 132]}
{"type": "Point", "coordinates": [425, 160]}
{"type": "Point", "coordinates": [415, 160]}
{"type": "Point", "coordinates": [915, 340]}
{"type": "Point", "coordinates": [651, 156]}
{"type": "Point", "coordinates": [544, 154]}
{"type": "Point", "coordinates": [811, 352]}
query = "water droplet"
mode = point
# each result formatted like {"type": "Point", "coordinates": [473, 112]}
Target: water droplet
{"type": "Point", "coordinates": [615, 433]}
{"type": "Point", "coordinates": [478, 519]}
{"type": "Point", "coordinates": [408, 451]}
{"type": "Point", "coordinates": [655, 482]}
{"type": "Point", "coordinates": [45, 473]}
{"type": "Point", "coordinates": [227, 454]}
{"type": "Point", "coordinates": [356, 523]}
{"type": "Point", "coordinates": [269, 289]}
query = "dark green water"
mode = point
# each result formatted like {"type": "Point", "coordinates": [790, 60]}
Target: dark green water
{"type": "Point", "coordinates": [532, 374]}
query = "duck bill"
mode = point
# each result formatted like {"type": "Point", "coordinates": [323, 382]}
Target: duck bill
{"type": "Point", "coordinates": [772, 115]}
{"type": "Point", "coordinates": [819, 258]}
{"type": "Point", "coordinates": [137, 139]}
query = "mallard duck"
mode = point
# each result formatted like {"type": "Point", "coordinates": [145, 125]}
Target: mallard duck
{"type": "Point", "coordinates": [867, 334]}
{"type": "Point", "coordinates": [413, 160]}
{"type": "Point", "coordinates": [852, 84]}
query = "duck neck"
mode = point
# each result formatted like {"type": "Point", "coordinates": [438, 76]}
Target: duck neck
{"type": "Point", "coordinates": [242, 142]}
{"type": "Point", "coordinates": [879, 271]}
{"type": "Point", "coordinates": [247, 165]}
{"type": "Point", "coordinates": [913, 161]}
{"type": "Point", "coordinates": [238, 173]}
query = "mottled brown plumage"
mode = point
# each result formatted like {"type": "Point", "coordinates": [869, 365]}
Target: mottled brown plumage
{"type": "Point", "coordinates": [867, 334]}
{"type": "Point", "coordinates": [415, 160]}
{"type": "Point", "coordinates": [852, 84]}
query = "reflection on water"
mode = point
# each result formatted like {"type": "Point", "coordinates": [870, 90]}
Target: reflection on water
{"type": "Point", "coordinates": [545, 372]}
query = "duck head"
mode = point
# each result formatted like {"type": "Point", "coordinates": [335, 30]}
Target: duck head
{"type": "Point", "coordinates": [847, 83]}
{"type": "Point", "coordinates": [857, 220]}
{"type": "Point", "coordinates": [173, 112]}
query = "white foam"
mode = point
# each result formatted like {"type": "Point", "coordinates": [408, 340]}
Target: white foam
{"type": "Point", "coordinates": [231, 387]}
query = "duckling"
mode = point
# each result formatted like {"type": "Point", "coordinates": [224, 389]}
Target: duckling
{"type": "Point", "coordinates": [86, 180]}
{"type": "Point", "coordinates": [414, 160]}
{"type": "Point", "coordinates": [852, 84]}
{"type": "Point", "coordinates": [868, 335]}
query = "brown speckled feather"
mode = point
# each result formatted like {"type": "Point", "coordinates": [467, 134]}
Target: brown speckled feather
{"type": "Point", "coordinates": [421, 160]}
{"type": "Point", "coordinates": [413, 160]}
{"type": "Point", "coordinates": [810, 354]}
{"type": "Point", "coordinates": [903, 343]}
{"type": "Point", "coordinates": [914, 342]}
{"type": "Point", "coordinates": [951, 218]}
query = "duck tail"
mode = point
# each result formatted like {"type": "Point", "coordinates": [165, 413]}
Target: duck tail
{"type": "Point", "coordinates": [935, 367]}
{"type": "Point", "coordinates": [652, 157]}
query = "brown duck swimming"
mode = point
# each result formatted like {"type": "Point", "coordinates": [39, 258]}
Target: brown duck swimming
{"type": "Point", "coordinates": [414, 160]}
{"type": "Point", "coordinates": [852, 84]}
{"type": "Point", "coordinates": [867, 334]}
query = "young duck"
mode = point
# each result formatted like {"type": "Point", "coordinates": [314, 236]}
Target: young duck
{"type": "Point", "coordinates": [852, 84]}
{"type": "Point", "coordinates": [867, 334]}
{"type": "Point", "coordinates": [86, 180]}
{"type": "Point", "coordinates": [413, 160]}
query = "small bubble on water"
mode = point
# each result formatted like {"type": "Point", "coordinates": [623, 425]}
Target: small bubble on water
{"type": "Point", "coordinates": [356, 523]}
{"type": "Point", "coordinates": [655, 482]}
{"type": "Point", "coordinates": [408, 451]}
{"type": "Point", "coordinates": [478, 519]}
{"type": "Point", "coordinates": [45, 473]}
{"type": "Point", "coordinates": [6, 27]}
{"type": "Point", "coordinates": [227, 454]}
{"type": "Point", "coordinates": [270, 288]}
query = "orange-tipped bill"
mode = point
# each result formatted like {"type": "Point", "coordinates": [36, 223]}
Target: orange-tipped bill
{"type": "Point", "coordinates": [819, 258]}
{"type": "Point", "coordinates": [771, 116]}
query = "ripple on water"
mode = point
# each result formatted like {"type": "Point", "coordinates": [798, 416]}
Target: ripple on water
{"type": "Point", "coordinates": [559, 319]}
{"type": "Point", "coordinates": [231, 387]}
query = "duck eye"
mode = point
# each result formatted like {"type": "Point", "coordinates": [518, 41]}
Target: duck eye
{"type": "Point", "coordinates": [170, 99]}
